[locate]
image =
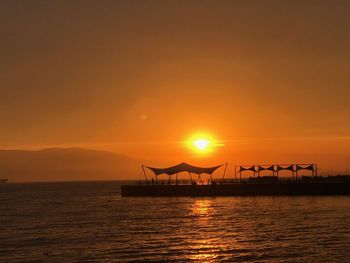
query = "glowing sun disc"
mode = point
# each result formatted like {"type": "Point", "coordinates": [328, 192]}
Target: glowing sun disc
{"type": "Point", "coordinates": [201, 144]}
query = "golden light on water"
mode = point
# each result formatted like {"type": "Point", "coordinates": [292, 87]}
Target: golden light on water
{"type": "Point", "coordinates": [206, 246]}
{"type": "Point", "coordinates": [202, 208]}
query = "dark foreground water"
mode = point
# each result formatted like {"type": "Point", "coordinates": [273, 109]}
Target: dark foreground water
{"type": "Point", "coordinates": [74, 222]}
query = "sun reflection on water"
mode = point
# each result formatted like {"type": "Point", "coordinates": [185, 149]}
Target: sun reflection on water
{"type": "Point", "coordinates": [202, 208]}
{"type": "Point", "coordinates": [205, 251]}
{"type": "Point", "coordinates": [204, 246]}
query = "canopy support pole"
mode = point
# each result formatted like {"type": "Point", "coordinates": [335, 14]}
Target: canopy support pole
{"type": "Point", "coordinates": [315, 169]}
{"type": "Point", "coordinates": [144, 173]}
{"type": "Point", "coordinates": [223, 176]}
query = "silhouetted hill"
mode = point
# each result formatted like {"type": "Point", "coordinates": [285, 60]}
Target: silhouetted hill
{"type": "Point", "coordinates": [66, 164]}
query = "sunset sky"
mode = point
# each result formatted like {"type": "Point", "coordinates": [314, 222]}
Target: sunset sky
{"type": "Point", "coordinates": [268, 80]}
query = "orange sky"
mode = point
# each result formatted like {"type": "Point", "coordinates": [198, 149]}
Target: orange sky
{"type": "Point", "coordinates": [268, 78]}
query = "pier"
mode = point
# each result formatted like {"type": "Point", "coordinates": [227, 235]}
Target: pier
{"type": "Point", "coordinates": [240, 185]}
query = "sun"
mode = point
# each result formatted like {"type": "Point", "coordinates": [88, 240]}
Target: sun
{"type": "Point", "coordinates": [201, 144]}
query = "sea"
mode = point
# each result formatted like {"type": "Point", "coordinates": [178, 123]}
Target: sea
{"type": "Point", "coordinates": [91, 222]}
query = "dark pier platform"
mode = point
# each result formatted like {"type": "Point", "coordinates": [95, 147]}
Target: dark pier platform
{"type": "Point", "coordinates": [240, 189]}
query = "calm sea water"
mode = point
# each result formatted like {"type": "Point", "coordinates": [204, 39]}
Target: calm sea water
{"type": "Point", "coordinates": [89, 221]}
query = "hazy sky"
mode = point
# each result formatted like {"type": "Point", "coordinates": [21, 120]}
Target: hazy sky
{"type": "Point", "coordinates": [269, 78]}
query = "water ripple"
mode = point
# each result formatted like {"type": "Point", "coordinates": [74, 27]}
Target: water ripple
{"type": "Point", "coordinates": [90, 222]}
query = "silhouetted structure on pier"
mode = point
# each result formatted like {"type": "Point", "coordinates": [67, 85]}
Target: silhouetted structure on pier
{"type": "Point", "coordinates": [252, 186]}
{"type": "Point", "coordinates": [275, 169]}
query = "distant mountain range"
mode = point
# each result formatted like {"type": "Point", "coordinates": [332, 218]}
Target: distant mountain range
{"type": "Point", "coordinates": [66, 164]}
